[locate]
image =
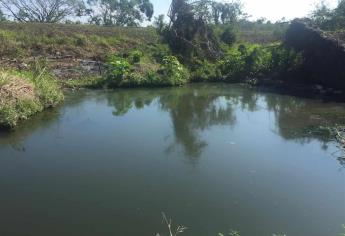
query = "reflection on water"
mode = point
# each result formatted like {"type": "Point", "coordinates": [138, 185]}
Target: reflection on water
{"type": "Point", "coordinates": [194, 109]}
{"type": "Point", "coordinates": [213, 157]}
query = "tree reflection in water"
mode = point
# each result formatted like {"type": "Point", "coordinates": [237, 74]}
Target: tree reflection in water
{"type": "Point", "coordinates": [195, 108]}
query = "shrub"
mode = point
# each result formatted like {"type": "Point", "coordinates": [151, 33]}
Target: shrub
{"type": "Point", "coordinates": [135, 56]}
{"type": "Point", "coordinates": [118, 70]}
{"type": "Point", "coordinates": [233, 66]}
{"type": "Point", "coordinates": [285, 59]}
{"type": "Point", "coordinates": [122, 72]}
{"type": "Point", "coordinates": [204, 71]}
{"type": "Point", "coordinates": [228, 36]}
{"type": "Point", "coordinates": [160, 51]}
{"type": "Point", "coordinates": [255, 61]}
{"type": "Point", "coordinates": [172, 72]}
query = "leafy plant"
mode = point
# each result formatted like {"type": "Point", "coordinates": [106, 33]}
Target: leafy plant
{"type": "Point", "coordinates": [135, 56]}
{"type": "Point", "coordinates": [204, 71]}
{"type": "Point", "coordinates": [172, 71]}
{"type": "Point", "coordinates": [229, 36]}
{"type": "Point", "coordinates": [255, 61]}
{"type": "Point", "coordinates": [118, 69]}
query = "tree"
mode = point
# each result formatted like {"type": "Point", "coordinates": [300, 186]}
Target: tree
{"type": "Point", "coordinates": [120, 12]}
{"type": "Point", "coordinates": [50, 11]}
{"type": "Point", "coordinates": [159, 23]}
{"type": "Point", "coordinates": [2, 16]}
{"type": "Point", "coordinates": [322, 14]}
{"type": "Point", "coordinates": [226, 12]}
{"type": "Point", "coordinates": [191, 28]}
{"type": "Point", "coordinates": [329, 19]}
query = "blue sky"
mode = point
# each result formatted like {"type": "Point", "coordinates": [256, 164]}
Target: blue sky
{"type": "Point", "coordinates": [271, 9]}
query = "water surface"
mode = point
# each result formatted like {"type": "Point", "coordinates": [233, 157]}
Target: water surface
{"type": "Point", "coordinates": [212, 157]}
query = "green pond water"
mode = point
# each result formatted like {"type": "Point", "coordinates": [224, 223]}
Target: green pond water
{"type": "Point", "coordinates": [213, 157]}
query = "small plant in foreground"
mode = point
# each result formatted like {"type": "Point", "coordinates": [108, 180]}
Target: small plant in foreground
{"type": "Point", "coordinates": [172, 232]}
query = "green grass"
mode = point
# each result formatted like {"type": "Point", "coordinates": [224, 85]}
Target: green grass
{"type": "Point", "coordinates": [80, 41]}
{"type": "Point", "coordinates": [25, 94]}
{"type": "Point", "coordinates": [92, 82]}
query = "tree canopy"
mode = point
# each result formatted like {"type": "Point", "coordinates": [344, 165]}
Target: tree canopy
{"type": "Point", "coordinates": [191, 27]}
{"type": "Point", "coordinates": [50, 11]}
{"type": "Point", "coordinates": [2, 16]}
{"type": "Point", "coordinates": [120, 12]}
{"type": "Point", "coordinates": [329, 19]}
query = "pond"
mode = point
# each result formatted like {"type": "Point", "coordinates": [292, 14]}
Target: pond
{"type": "Point", "coordinates": [213, 157]}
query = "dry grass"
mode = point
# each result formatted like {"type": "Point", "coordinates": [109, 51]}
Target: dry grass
{"type": "Point", "coordinates": [23, 95]}
{"type": "Point", "coordinates": [76, 41]}
{"type": "Point", "coordinates": [13, 88]}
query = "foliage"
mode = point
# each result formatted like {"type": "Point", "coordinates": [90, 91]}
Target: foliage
{"type": "Point", "coordinates": [42, 11]}
{"type": "Point", "coordinates": [125, 72]}
{"type": "Point", "coordinates": [2, 16]}
{"type": "Point", "coordinates": [120, 12]}
{"type": "Point", "coordinates": [329, 19]}
{"type": "Point", "coordinates": [172, 72]}
{"type": "Point", "coordinates": [19, 40]}
{"type": "Point", "coordinates": [160, 51]}
{"type": "Point", "coordinates": [119, 69]}
{"type": "Point", "coordinates": [255, 61]}
{"type": "Point", "coordinates": [85, 82]}
{"type": "Point", "coordinates": [159, 24]}
{"type": "Point", "coordinates": [228, 36]}
{"type": "Point", "coordinates": [190, 32]}
{"type": "Point", "coordinates": [47, 88]}
{"type": "Point", "coordinates": [135, 56]}
{"type": "Point", "coordinates": [262, 32]}
{"type": "Point", "coordinates": [203, 70]}
{"type": "Point", "coordinates": [226, 12]}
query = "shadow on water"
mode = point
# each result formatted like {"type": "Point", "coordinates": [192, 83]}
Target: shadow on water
{"type": "Point", "coordinates": [42, 121]}
{"type": "Point", "coordinates": [15, 138]}
{"type": "Point", "coordinates": [195, 108]}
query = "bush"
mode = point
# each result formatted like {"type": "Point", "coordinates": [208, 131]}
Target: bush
{"type": "Point", "coordinates": [204, 71]}
{"type": "Point", "coordinates": [118, 70]}
{"type": "Point", "coordinates": [123, 73]}
{"type": "Point", "coordinates": [255, 61]}
{"type": "Point", "coordinates": [229, 36]}
{"type": "Point", "coordinates": [172, 72]}
{"type": "Point", "coordinates": [160, 51]}
{"type": "Point", "coordinates": [232, 67]}
{"type": "Point", "coordinates": [135, 56]}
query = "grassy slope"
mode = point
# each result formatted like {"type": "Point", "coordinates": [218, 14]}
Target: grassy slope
{"type": "Point", "coordinates": [68, 48]}
{"type": "Point", "coordinates": [81, 41]}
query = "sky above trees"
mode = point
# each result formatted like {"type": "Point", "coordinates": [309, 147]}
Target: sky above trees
{"type": "Point", "coordinates": [270, 9]}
